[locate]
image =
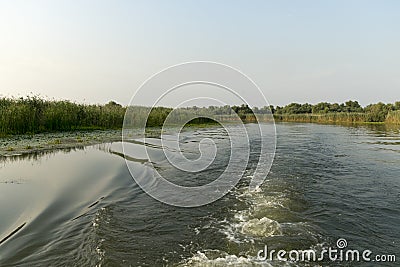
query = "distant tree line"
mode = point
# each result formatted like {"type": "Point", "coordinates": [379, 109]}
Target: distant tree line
{"type": "Point", "coordinates": [373, 112]}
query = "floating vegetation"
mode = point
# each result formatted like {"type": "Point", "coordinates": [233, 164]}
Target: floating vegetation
{"type": "Point", "coordinates": [23, 144]}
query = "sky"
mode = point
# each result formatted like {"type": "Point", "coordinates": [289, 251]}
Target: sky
{"type": "Point", "coordinates": [295, 51]}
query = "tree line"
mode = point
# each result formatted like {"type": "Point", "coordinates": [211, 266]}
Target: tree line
{"type": "Point", "coordinates": [373, 112]}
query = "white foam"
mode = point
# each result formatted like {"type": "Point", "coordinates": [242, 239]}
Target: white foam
{"type": "Point", "coordinates": [261, 227]}
{"type": "Point", "coordinates": [217, 258]}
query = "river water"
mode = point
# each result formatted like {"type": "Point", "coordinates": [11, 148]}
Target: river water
{"type": "Point", "coordinates": [81, 207]}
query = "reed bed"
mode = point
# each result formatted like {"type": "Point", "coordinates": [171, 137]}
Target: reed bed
{"type": "Point", "coordinates": [30, 115]}
{"type": "Point", "coordinates": [393, 117]}
{"type": "Point", "coordinates": [342, 117]}
{"type": "Point", "coordinates": [36, 115]}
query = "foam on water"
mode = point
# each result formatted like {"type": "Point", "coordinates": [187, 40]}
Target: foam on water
{"type": "Point", "coordinates": [261, 227]}
{"type": "Point", "coordinates": [216, 258]}
{"type": "Point", "coordinates": [260, 217]}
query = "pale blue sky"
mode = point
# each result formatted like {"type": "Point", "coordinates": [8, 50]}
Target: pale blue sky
{"type": "Point", "coordinates": [304, 51]}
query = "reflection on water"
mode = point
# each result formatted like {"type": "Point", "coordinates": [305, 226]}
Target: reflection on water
{"type": "Point", "coordinates": [37, 155]}
{"type": "Point", "coordinates": [81, 207]}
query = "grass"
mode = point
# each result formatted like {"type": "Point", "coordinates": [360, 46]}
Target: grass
{"type": "Point", "coordinates": [324, 118]}
{"type": "Point", "coordinates": [393, 117]}
{"type": "Point", "coordinates": [35, 115]}
{"type": "Point", "coordinates": [32, 115]}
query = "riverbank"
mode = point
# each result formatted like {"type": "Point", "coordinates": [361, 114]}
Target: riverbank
{"type": "Point", "coordinates": [324, 118]}
{"type": "Point", "coordinates": [392, 117]}
{"type": "Point", "coordinates": [17, 145]}
{"type": "Point", "coordinates": [32, 143]}
{"type": "Point", "coordinates": [24, 144]}
{"type": "Point", "coordinates": [33, 115]}
{"type": "Point", "coordinates": [14, 145]}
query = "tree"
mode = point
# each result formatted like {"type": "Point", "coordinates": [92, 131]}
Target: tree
{"type": "Point", "coordinates": [322, 107]}
{"type": "Point", "coordinates": [377, 112]}
{"type": "Point", "coordinates": [353, 106]}
{"type": "Point", "coordinates": [113, 104]}
{"type": "Point", "coordinates": [335, 108]}
{"type": "Point", "coordinates": [397, 105]}
{"type": "Point", "coordinates": [305, 108]}
{"type": "Point", "coordinates": [279, 110]}
{"type": "Point", "coordinates": [292, 108]}
{"type": "Point", "coordinates": [271, 109]}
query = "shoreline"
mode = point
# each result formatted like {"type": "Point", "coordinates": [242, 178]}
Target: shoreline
{"type": "Point", "coordinates": [19, 145]}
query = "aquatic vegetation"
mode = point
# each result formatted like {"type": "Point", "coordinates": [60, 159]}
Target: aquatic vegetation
{"type": "Point", "coordinates": [22, 144]}
{"type": "Point", "coordinates": [55, 142]}
{"type": "Point", "coordinates": [323, 118]}
{"type": "Point", "coordinates": [33, 115]}
{"type": "Point", "coordinates": [349, 112]}
{"type": "Point", "coordinates": [393, 117]}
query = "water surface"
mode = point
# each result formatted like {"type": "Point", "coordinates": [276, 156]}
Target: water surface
{"type": "Point", "coordinates": [81, 207]}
